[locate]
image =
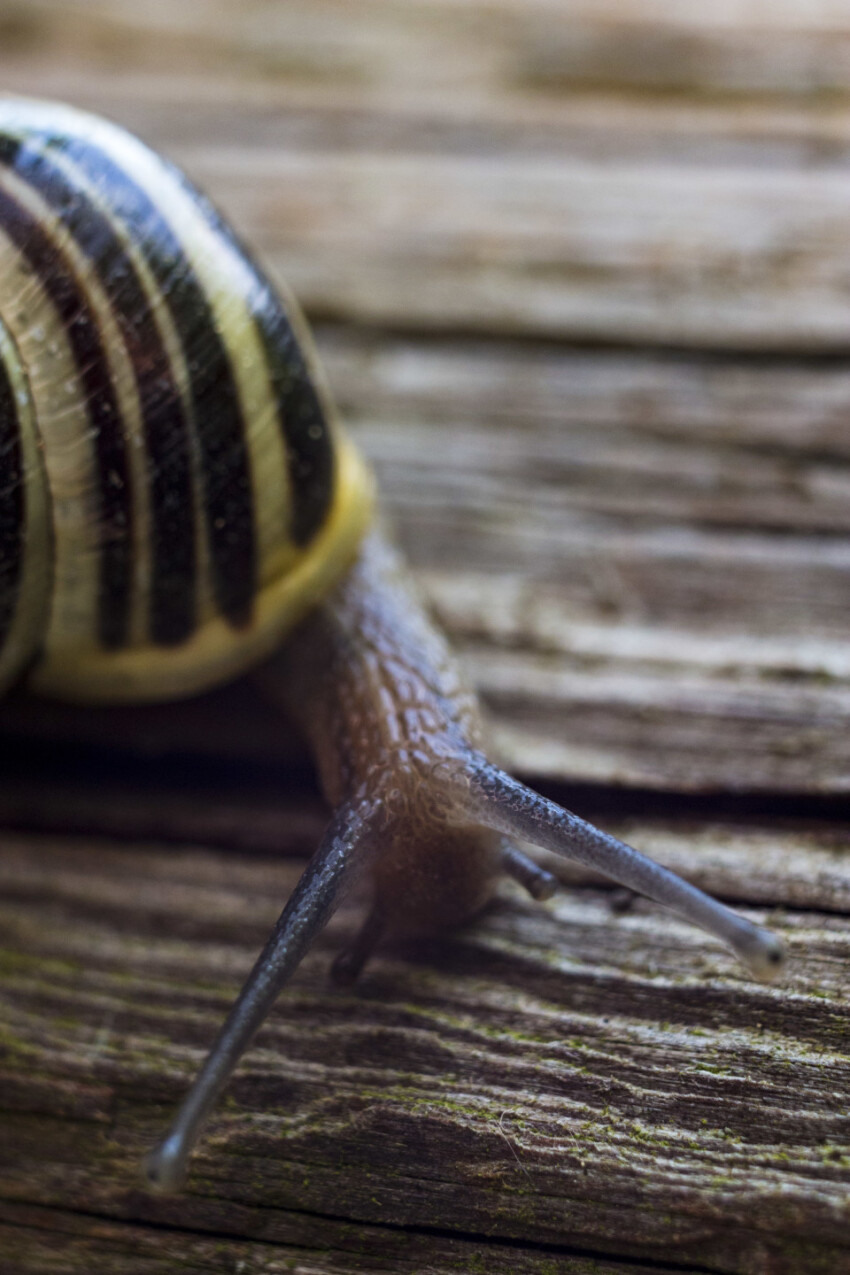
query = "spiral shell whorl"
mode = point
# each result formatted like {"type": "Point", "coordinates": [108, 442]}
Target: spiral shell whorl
{"type": "Point", "coordinates": [201, 495]}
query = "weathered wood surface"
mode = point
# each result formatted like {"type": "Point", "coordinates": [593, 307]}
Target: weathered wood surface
{"type": "Point", "coordinates": [580, 280]}
{"type": "Point", "coordinates": [600, 1084]}
{"type": "Point", "coordinates": [643, 558]}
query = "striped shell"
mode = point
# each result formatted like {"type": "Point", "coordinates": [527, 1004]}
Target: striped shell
{"type": "Point", "coordinates": [174, 490]}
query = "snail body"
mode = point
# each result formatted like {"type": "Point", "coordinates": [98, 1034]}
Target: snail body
{"type": "Point", "coordinates": [179, 504]}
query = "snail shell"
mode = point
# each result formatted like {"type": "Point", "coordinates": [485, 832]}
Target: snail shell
{"type": "Point", "coordinates": [177, 490]}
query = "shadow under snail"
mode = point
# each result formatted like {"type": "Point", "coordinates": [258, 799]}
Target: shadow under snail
{"type": "Point", "coordinates": [178, 504]}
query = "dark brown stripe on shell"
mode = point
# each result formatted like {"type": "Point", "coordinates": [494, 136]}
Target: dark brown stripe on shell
{"type": "Point", "coordinates": [114, 492]}
{"type": "Point", "coordinates": [307, 437]}
{"type": "Point", "coordinates": [225, 469]}
{"type": "Point", "coordinates": [166, 429]}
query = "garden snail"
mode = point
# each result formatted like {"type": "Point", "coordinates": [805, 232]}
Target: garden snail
{"type": "Point", "coordinates": [178, 504]}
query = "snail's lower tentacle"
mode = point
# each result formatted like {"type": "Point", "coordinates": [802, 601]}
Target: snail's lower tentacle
{"type": "Point", "coordinates": [539, 883]}
{"type": "Point", "coordinates": [348, 965]}
{"type": "Point", "coordinates": [310, 907]}
{"type": "Point", "coordinates": [504, 804]}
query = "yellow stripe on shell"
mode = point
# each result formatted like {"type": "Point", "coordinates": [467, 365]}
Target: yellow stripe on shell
{"type": "Point", "coordinates": [33, 594]}
{"type": "Point", "coordinates": [123, 381]}
{"type": "Point", "coordinates": [174, 352]}
{"type": "Point", "coordinates": [74, 613]}
{"type": "Point", "coordinates": [59, 406]}
{"type": "Point", "coordinates": [216, 653]}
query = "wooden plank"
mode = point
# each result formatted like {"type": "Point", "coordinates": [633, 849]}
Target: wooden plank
{"type": "Point", "coordinates": [804, 867]}
{"type": "Point", "coordinates": [614, 1086]}
{"type": "Point", "coordinates": [642, 559]}
{"type": "Point", "coordinates": [619, 547]}
{"type": "Point", "coordinates": [177, 107]}
{"type": "Point", "coordinates": [553, 246]}
{"type": "Point", "coordinates": [563, 249]}
{"type": "Point", "coordinates": [792, 48]}
{"type": "Point", "coordinates": [600, 718]}
{"type": "Point", "coordinates": [49, 1241]}
{"type": "Point", "coordinates": [672, 244]}
{"type": "Point", "coordinates": [761, 86]}
{"type": "Point", "coordinates": [780, 408]}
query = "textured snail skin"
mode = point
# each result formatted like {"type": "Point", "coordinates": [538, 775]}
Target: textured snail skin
{"type": "Point", "coordinates": [179, 505]}
{"type": "Point", "coordinates": [381, 698]}
{"type": "Point", "coordinates": [397, 733]}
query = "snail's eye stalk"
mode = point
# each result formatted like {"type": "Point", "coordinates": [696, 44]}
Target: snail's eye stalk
{"type": "Point", "coordinates": [500, 802]}
{"type": "Point", "coordinates": [310, 907]}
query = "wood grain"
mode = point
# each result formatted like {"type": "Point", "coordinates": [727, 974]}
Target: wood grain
{"type": "Point", "coordinates": [641, 557]}
{"type": "Point", "coordinates": [660, 248]}
{"type": "Point", "coordinates": [604, 1083]}
{"type": "Point", "coordinates": [580, 280]}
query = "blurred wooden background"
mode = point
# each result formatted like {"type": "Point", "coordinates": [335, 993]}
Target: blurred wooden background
{"type": "Point", "coordinates": [580, 275]}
